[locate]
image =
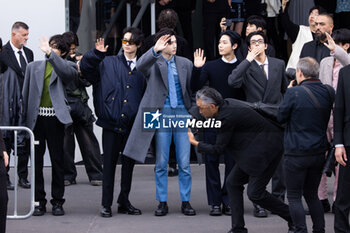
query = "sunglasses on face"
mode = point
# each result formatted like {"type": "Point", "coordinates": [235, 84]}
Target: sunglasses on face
{"type": "Point", "coordinates": [128, 41]}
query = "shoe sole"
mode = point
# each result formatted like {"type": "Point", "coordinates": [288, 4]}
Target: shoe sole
{"type": "Point", "coordinates": [218, 214]}
{"type": "Point", "coordinates": [126, 212]}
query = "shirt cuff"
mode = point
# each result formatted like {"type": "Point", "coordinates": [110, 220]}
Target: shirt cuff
{"type": "Point", "coordinates": [339, 145]}
{"type": "Point", "coordinates": [155, 54]}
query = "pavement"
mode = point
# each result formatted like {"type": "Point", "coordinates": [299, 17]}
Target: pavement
{"type": "Point", "coordinates": [83, 204]}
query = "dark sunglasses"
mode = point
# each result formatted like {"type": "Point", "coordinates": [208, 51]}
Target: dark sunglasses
{"type": "Point", "coordinates": [128, 41]}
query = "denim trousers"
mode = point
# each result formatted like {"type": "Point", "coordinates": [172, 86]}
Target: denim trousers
{"type": "Point", "coordinates": [163, 141]}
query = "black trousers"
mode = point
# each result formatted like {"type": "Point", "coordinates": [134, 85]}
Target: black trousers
{"type": "Point", "coordinates": [51, 131]}
{"type": "Point", "coordinates": [215, 193]}
{"type": "Point", "coordinates": [113, 144]}
{"type": "Point", "coordinates": [3, 196]}
{"type": "Point", "coordinates": [256, 191]}
{"type": "Point", "coordinates": [303, 175]}
{"type": "Point", "coordinates": [90, 151]}
{"type": "Point", "coordinates": [278, 186]}
{"type": "Point", "coordinates": [342, 201]}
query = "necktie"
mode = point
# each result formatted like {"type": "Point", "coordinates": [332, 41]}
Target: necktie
{"type": "Point", "coordinates": [129, 63]}
{"type": "Point", "coordinates": [22, 61]}
{"type": "Point", "coordinates": [262, 67]}
{"type": "Point", "coordinates": [172, 88]}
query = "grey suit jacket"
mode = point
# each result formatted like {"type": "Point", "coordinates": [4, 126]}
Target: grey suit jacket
{"type": "Point", "coordinates": [250, 77]}
{"type": "Point", "coordinates": [63, 72]}
{"type": "Point", "coordinates": [327, 65]}
{"type": "Point", "coordinates": [155, 70]}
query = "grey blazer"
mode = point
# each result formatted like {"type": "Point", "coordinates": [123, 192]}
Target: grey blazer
{"type": "Point", "coordinates": [250, 77]}
{"type": "Point", "coordinates": [155, 70]}
{"type": "Point", "coordinates": [327, 64]}
{"type": "Point", "coordinates": [63, 72]}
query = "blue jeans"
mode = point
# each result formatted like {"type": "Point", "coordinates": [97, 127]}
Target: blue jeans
{"type": "Point", "coordinates": [182, 147]}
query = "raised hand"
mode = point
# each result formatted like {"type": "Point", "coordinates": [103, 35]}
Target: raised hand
{"type": "Point", "coordinates": [284, 4]}
{"type": "Point", "coordinates": [252, 54]}
{"type": "Point", "coordinates": [100, 45]}
{"type": "Point", "coordinates": [44, 45]}
{"type": "Point", "coordinates": [331, 44]}
{"type": "Point", "coordinates": [161, 43]}
{"type": "Point", "coordinates": [223, 24]}
{"type": "Point", "coordinates": [199, 59]}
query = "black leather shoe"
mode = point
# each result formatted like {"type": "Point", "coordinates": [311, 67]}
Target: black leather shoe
{"type": "Point", "coordinates": [10, 186]}
{"type": "Point", "coordinates": [226, 210]}
{"type": "Point", "coordinates": [24, 183]}
{"type": "Point", "coordinates": [106, 212]}
{"type": "Point", "coordinates": [259, 212]}
{"type": "Point", "coordinates": [173, 171]}
{"type": "Point", "coordinates": [215, 210]}
{"type": "Point", "coordinates": [162, 209]}
{"type": "Point", "coordinates": [291, 228]}
{"type": "Point", "coordinates": [69, 182]}
{"type": "Point", "coordinates": [57, 209]}
{"type": "Point", "coordinates": [187, 209]}
{"type": "Point", "coordinates": [128, 209]}
{"type": "Point", "coordinates": [39, 210]}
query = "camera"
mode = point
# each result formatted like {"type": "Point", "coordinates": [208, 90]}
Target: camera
{"type": "Point", "coordinates": [228, 22]}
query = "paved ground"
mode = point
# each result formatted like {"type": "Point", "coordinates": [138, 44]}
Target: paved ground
{"type": "Point", "coordinates": [83, 204]}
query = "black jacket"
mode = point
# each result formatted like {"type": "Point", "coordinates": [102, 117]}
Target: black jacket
{"type": "Point", "coordinates": [315, 49]}
{"type": "Point", "coordinates": [117, 90]}
{"type": "Point", "coordinates": [8, 59]}
{"type": "Point", "coordinates": [305, 132]}
{"type": "Point", "coordinates": [252, 140]}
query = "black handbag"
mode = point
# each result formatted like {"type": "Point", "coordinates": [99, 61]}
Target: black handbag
{"type": "Point", "coordinates": [331, 163]}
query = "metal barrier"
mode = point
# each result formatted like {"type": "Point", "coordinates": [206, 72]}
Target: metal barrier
{"type": "Point", "coordinates": [32, 177]}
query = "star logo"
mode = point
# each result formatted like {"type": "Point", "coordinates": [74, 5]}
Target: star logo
{"type": "Point", "coordinates": [156, 115]}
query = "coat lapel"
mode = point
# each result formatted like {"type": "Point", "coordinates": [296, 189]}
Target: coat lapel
{"type": "Point", "coordinates": [12, 58]}
{"type": "Point", "coordinates": [163, 68]}
{"type": "Point", "coordinates": [257, 73]}
{"type": "Point", "coordinates": [39, 73]}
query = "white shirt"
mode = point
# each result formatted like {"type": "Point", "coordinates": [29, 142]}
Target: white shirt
{"type": "Point", "coordinates": [226, 61]}
{"type": "Point", "coordinates": [15, 50]}
{"type": "Point", "coordinates": [266, 67]}
{"type": "Point", "coordinates": [133, 64]}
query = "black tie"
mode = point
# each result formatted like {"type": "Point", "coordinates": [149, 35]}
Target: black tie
{"type": "Point", "coordinates": [129, 63]}
{"type": "Point", "coordinates": [262, 67]}
{"type": "Point", "coordinates": [23, 62]}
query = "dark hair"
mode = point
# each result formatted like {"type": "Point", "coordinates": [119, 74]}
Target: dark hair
{"type": "Point", "coordinates": [235, 38]}
{"type": "Point", "coordinates": [18, 25]}
{"type": "Point", "coordinates": [58, 42]}
{"type": "Point", "coordinates": [162, 32]}
{"type": "Point", "coordinates": [0, 43]}
{"type": "Point", "coordinates": [136, 34]}
{"type": "Point", "coordinates": [258, 21]}
{"type": "Point", "coordinates": [167, 19]}
{"type": "Point", "coordinates": [209, 95]}
{"type": "Point", "coordinates": [319, 8]}
{"type": "Point", "coordinates": [342, 36]}
{"type": "Point", "coordinates": [71, 38]}
{"type": "Point", "coordinates": [260, 33]}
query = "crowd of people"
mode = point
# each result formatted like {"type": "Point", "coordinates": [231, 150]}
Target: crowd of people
{"type": "Point", "coordinates": [279, 117]}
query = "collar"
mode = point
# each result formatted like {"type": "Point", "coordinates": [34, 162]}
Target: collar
{"type": "Point", "coordinates": [169, 61]}
{"type": "Point", "coordinates": [133, 60]}
{"type": "Point", "coordinates": [15, 49]}
{"type": "Point", "coordinates": [310, 80]}
{"type": "Point", "coordinates": [230, 62]}
{"type": "Point", "coordinates": [266, 62]}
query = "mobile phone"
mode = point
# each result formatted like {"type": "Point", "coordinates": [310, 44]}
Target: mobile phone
{"type": "Point", "coordinates": [228, 22]}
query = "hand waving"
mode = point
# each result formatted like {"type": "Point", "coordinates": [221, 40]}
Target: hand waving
{"type": "Point", "coordinates": [199, 59]}
{"type": "Point", "coordinates": [100, 45]}
{"type": "Point", "coordinates": [44, 45]}
{"type": "Point", "coordinates": [331, 44]}
{"type": "Point", "coordinates": [161, 43]}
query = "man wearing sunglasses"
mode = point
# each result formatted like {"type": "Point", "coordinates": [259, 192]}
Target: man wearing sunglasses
{"type": "Point", "coordinates": [168, 93]}
{"type": "Point", "coordinates": [117, 89]}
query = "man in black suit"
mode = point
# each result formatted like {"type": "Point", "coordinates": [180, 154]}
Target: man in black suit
{"type": "Point", "coordinates": [342, 144]}
{"type": "Point", "coordinates": [256, 145]}
{"type": "Point", "coordinates": [263, 80]}
{"type": "Point", "coordinates": [16, 56]}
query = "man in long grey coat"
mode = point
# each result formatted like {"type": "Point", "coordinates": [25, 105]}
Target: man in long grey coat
{"type": "Point", "coordinates": [168, 93]}
{"type": "Point", "coordinates": [46, 112]}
